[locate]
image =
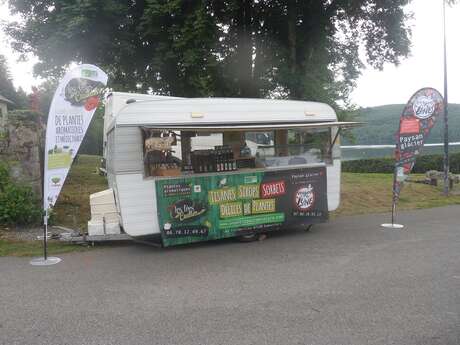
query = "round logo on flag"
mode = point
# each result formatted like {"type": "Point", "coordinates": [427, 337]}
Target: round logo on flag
{"type": "Point", "coordinates": [305, 198]}
{"type": "Point", "coordinates": [424, 107]}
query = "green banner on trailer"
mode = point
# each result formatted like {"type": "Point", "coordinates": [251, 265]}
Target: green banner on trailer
{"type": "Point", "coordinates": [208, 207]}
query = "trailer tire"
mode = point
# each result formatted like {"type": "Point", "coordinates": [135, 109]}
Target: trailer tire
{"type": "Point", "coordinates": [248, 238]}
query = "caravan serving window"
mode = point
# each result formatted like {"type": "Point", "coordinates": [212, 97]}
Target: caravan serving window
{"type": "Point", "coordinates": [162, 156]}
{"type": "Point", "coordinates": [174, 153]}
{"type": "Point", "coordinates": [294, 147]}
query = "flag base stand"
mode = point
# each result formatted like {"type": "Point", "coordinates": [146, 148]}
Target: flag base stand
{"type": "Point", "coordinates": [392, 226]}
{"type": "Point", "coordinates": [45, 260]}
{"type": "Point", "coordinates": [51, 260]}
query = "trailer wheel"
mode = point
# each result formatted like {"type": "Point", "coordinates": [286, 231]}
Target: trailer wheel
{"type": "Point", "coordinates": [308, 228]}
{"type": "Point", "coordinates": [248, 238]}
{"type": "Point", "coordinates": [252, 237]}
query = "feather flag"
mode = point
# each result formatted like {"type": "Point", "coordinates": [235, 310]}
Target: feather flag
{"type": "Point", "coordinates": [416, 122]}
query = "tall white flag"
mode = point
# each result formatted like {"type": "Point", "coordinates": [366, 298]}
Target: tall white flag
{"type": "Point", "coordinates": [71, 111]}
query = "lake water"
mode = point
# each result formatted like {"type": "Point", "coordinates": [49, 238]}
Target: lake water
{"type": "Point", "coordinates": [377, 151]}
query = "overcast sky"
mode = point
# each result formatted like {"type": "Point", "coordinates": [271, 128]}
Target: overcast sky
{"type": "Point", "coordinates": [392, 85]}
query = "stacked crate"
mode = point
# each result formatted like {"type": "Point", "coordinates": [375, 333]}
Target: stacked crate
{"type": "Point", "coordinates": [104, 214]}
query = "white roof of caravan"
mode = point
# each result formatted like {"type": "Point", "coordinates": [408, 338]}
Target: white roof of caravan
{"type": "Point", "coordinates": [215, 112]}
{"type": "Point", "coordinates": [124, 96]}
{"type": "Point", "coordinates": [117, 100]}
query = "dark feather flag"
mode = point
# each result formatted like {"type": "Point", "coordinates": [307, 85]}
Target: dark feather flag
{"type": "Point", "coordinates": [415, 124]}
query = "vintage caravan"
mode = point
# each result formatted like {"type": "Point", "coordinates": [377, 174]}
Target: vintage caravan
{"type": "Point", "coordinates": [183, 170]}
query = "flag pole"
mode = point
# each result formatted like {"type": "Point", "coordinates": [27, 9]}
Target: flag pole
{"type": "Point", "coordinates": [393, 225]}
{"type": "Point", "coordinates": [393, 206]}
{"type": "Point", "coordinates": [446, 104]}
{"type": "Point", "coordinates": [45, 236]}
{"type": "Point", "coordinates": [45, 260]}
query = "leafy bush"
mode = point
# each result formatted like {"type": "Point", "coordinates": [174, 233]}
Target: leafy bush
{"type": "Point", "coordinates": [25, 117]}
{"type": "Point", "coordinates": [18, 204]}
{"type": "Point", "coordinates": [386, 165]}
{"type": "Point", "coordinates": [374, 165]}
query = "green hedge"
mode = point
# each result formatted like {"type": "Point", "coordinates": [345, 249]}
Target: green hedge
{"type": "Point", "coordinates": [18, 204]}
{"type": "Point", "coordinates": [386, 165]}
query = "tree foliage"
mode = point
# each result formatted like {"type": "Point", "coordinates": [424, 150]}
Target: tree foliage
{"type": "Point", "coordinates": [298, 49]}
{"type": "Point", "coordinates": [6, 84]}
{"type": "Point", "coordinates": [18, 97]}
{"type": "Point", "coordinates": [92, 142]}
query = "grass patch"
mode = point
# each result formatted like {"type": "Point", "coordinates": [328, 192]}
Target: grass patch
{"type": "Point", "coordinates": [372, 193]}
{"type": "Point", "coordinates": [35, 248]}
{"type": "Point", "coordinates": [72, 207]}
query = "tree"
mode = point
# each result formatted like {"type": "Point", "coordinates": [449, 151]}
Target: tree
{"type": "Point", "coordinates": [299, 49]}
{"type": "Point", "coordinates": [92, 143]}
{"type": "Point", "coordinates": [309, 49]}
{"type": "Point", "coordinates": [19, 98]}
{"type": "Point", "coordinates": [45, 93]}
{"type": "Point", "coordinates": [6, 85]}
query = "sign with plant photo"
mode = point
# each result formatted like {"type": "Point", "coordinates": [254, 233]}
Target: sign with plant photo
{"type": "Point", "coordinates": [71, 111]}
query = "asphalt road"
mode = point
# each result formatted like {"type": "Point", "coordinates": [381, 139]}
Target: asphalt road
{"type": "Point", "coordinates": [345, 282]}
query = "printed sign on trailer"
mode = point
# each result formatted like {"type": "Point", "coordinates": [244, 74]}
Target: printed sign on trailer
{"type": "Point", "coordinates": [220, 206]}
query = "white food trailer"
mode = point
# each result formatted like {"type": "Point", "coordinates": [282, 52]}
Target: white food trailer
{"type": "Point", "coordinates": [184, 170]}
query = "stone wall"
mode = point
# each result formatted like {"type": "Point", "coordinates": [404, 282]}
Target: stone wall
{"type": "Point", "coordinates": [21, 148]}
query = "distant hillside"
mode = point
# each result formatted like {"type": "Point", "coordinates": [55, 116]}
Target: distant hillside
{"type": "Point", "coordinates": [383, 122]}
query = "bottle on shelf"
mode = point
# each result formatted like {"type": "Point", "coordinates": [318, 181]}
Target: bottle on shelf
{"type": "Point", "coordinates": [233, 160]}
{"type": "Point", "coordinates": [213, 161]}
{"type": "Point", "coordinates": [209, 160]}
{"type": "Point", "coordinates": [227, 159]}
{"type": "Point", "coordinates": [222, 158]}
{"type": "Point", "coordinates": [205, 163]}
{"type": "Point", "coordinates": [217, 158]}
{"type": "Point", "coordinates": [220, 164]}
